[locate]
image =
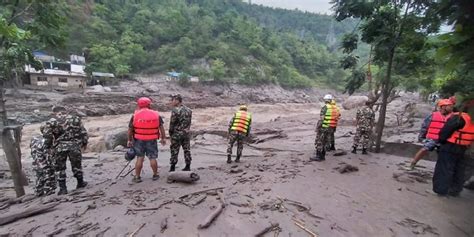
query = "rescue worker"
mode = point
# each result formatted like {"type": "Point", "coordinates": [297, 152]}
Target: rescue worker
{"type": "Point", "coordinates": [43, 165]}
{"type": "Point", "coordinates": [239, 129]}
{"type": "Point", "coordinates": [144, 129]}
{"type": "Point", "coordinates": [429, 133]}
{"type": "Point", "coordinates": [455, 138]}
{"type": "Point", "coordinates": [179, 132]}
{"type": "Point", "coordinates": [331, 145]}
{"type": "Point", "coordinates": [365, 119]}
{"type": "Point", "coordinates": [68, 143]}
{"type": "Point", "coordinates": [327, 121]}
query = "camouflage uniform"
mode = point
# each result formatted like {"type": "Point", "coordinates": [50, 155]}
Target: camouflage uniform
{"type": "Point", "coordinates": [365, 120]}
{"type": "Point", "coordinates": [68, 144]}
{"type": "Point", "coordinates": [180, 124]}
{"type": "Point", "coordinates": [43, 166]}
{"type": "Point", "coordinates": [322, 134]}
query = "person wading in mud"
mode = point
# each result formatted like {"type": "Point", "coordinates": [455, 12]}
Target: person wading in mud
{"type": "Point", "coordinates": [429, 133]}
{"type": "Point", "coordinates": [239, 129]}
{"type": "Point", "coordinates": [145, 128]}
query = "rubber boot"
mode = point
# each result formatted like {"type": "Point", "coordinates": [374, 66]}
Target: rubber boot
{"type": "Point", "coordinates": [237, 159]}
{"type": "Point", "coordinates": [332, 148]}
{"type": "Point", "coordinates": [172, 168]}
{"type": "Point", "coordinates": [81, 183]}
{"type": "Point", "coordinates": [315, 157]}
{"type": "Point", "coordinates": [62, 188]}
{"type": "Point", "coordinates": [187, 167]}
{"type": "Point", "coordinates": [364, 151]}
{"type": "Point", "coordinates": [354, 150]}
{"type": "Point", "coordinates": [229, 159]}
{"type": "Point", "coordinates": [323, 156]}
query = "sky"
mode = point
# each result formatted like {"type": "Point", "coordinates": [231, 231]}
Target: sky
{"type": "Point", "coordinates": [317, 6]}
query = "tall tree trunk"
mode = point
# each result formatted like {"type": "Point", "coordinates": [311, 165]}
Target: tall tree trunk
{"type": "Point", "coordinates": [3, 112]}
{"type": "Point", "coordinates": [386, 88]}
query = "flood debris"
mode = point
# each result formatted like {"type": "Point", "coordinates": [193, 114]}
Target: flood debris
{"type": "Point", "coordinates": [183, 177]}
{"type": "Point", "coordinates": [272, 227]}
{"type": "Point", "coordinates": [346, 168]}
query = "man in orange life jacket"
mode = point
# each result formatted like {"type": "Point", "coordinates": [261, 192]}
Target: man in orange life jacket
{"type": "Point", "coordinates": [455, 138]}
{"type": "Point", "coordinates": [239, 129]}
{"type": "Point", "coordinates": [145, 128]}
{"type": "Point", "coordinates": [429, 133]}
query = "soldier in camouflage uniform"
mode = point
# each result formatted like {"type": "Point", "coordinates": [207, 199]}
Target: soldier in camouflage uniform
{"type": "Point", "coordinates": [43, 165]}
{"type": "Point", "coordinates": [179, 132]}
{"type": "Point", "coordinates": [239, 129]}
{"type": "Point", "coordinates": [68, 141]}
{"type": "Point", "coordinates": [324, 128]}
{"type": "Point", "coordinates": [365, 119]}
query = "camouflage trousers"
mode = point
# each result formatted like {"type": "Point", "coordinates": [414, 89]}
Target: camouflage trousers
{"type": "Point", "coordinates": [331, 139]}
{"type": "Point", "coordinates": [45, 180]}
{"type": "Point", "coordinates": [322, 138]}
{"type": "Point", "coordinates": [362, 137]}
{"type": "Point", "coordinates": [236, 137]}
{"type": "Point", "coordinates": [176, 143]}
{"type": "Point", "coordinates": [75, 158]}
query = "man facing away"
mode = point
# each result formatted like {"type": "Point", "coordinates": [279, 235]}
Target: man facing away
{"type": "Point", "coordinates": [179, 131]}
{"type": "Point", "coordinates": [327, 121]}
{"type": "Point", "coordinates": [239, 129]}
{"type": "Point", "coordinates": [43, 165]}
{"type": "Point", "coordinates": [145, 128]}
{"type": "Point", "coordinates": [429, 133]}
{"type": "Point", "coordinates": [365, 119]}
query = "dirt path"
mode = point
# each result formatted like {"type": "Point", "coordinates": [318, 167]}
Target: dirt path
{"type": "Point", "coordinates": [275, 183]}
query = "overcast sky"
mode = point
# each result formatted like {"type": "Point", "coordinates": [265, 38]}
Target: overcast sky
{"type": "Point", "coordinates": [318, 6]}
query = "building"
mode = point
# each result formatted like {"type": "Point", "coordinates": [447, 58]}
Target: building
{"type": "Point", "coordinates": [57, 73]}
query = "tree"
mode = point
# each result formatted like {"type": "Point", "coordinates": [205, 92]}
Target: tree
{"type": "Point", "coordinates": [218, 70]}
{"type": "Point", "coordinates": [390, 27]}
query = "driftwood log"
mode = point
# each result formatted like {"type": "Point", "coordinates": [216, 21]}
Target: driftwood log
{"type": "Point", "coordinates": [183, 177]}
{"type": "Point", "coordinates": [209, 219]}
{"type": "Point", "coordinates": [9, 218]}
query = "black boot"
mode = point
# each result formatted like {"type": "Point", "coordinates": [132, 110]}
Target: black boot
{"type": "Point", "coordinates": [237, 159]}
{"type": "Point", "coordinates": [187, 167]}
{"type": "Point", "coordinates": [62, 188]}
{"type": "Point", "coordinates": [81, 183]}
{"type": "Point", "coordinates": [172, 168]}
{"type": "Point", "coordinates": [332, 148]}
{"type": "Point", "coordinates": [354, 150]}
{"type": "Point", "coordinates": [323, 156]}
{"type": "Point", "coordinates": [364, 151]}
{"type": "Point", "coordinates": [229, 159]}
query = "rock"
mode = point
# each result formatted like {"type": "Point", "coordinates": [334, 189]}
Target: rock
{"type": "Point", "coordinates": [97, 88]}
{"type": "Point", "coordinates": [107, 89]}
{"type": "Point", "coordinates": [353, 102]}
{"type": "Point", "coordinates": [340, 153]}
{"type": "Point", "coordinates": [119, 148]}
{"type": "Point", "coordinates": [235, 171]}
{"type": "Point", "coordinates": [470, 183]}
{"type": "Point", "coordinates": [116, 137]}
{"type": "Point", "coordinates": [58, 108]}
{"type": "Point", "coordinates": [36, 111]}
{"type": "Point", "coordinates": [346, 168]}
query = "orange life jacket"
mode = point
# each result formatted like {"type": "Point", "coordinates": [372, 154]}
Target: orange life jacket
{"type": "Point", "coordinates": [465, 135]}
{"type": "Point", "coordinates": [331, 117]}
{"type": "Point", "coordinates": [146, 124]}
{"type": "Point", "coordinates": [241, 123]}
{"type": "Point", "coordinates": [437, 122]}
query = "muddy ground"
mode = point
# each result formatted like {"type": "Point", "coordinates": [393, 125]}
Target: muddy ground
{"type": "Point", "coordinates": [274, 183]}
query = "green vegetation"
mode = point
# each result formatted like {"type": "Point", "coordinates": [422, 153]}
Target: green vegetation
{"type": "Point", "coordinates": [224, 40]}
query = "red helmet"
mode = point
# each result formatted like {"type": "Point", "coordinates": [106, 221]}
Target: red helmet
{"type": "Point", "coordinates": [445, 102]}
{"type": "Point", "coordinates": [143, 102]}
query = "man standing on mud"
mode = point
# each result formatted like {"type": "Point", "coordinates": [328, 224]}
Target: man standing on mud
{"type": "Point", "coordinates": [239, 129]}
{"type": "Point", "coordinates": [68, 142]}
{"type": "Point", "coordinates": [455, 138]}
{"type": "Point", "coordinates": [179, 131]}
{"type": "Point", "coordinates": [429, 133]}
{"type": "Point", "coordinates": [144, 129]}
{"type": "Point", "coordinates": [43, 165]}
{"type": "Point", "coordinates": [327, 121]}
{"type": "Point", "coordinates": [365, 119]}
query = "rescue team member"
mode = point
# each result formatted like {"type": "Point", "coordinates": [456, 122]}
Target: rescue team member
{"type": "Point", "coordinates": [239, 129]}
{"type": "Point", "coordinates": [429, 133]}
{"type": "Point", "coordinates": [455, 138]}
{"type": "Point", "coordinates": [145, 128]}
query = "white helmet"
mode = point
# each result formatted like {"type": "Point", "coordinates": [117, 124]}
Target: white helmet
{"type": "Point", "coordinates": [328, 97]}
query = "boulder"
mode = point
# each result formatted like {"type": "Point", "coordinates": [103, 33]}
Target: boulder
{"type": "Point", "coordinates": [353, 102]}
{"type": "Point", "coordinates": [116, 137]}
{"type": "Point", "coordinates": [107, 89]}
{"type": "Point", "coordinates": [119, 148]}
{"type": "Point", "coordinates": [97, 88]}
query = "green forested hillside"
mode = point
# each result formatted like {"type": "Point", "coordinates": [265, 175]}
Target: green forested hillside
{"type": "Point", "coordinates": [224, 40]}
